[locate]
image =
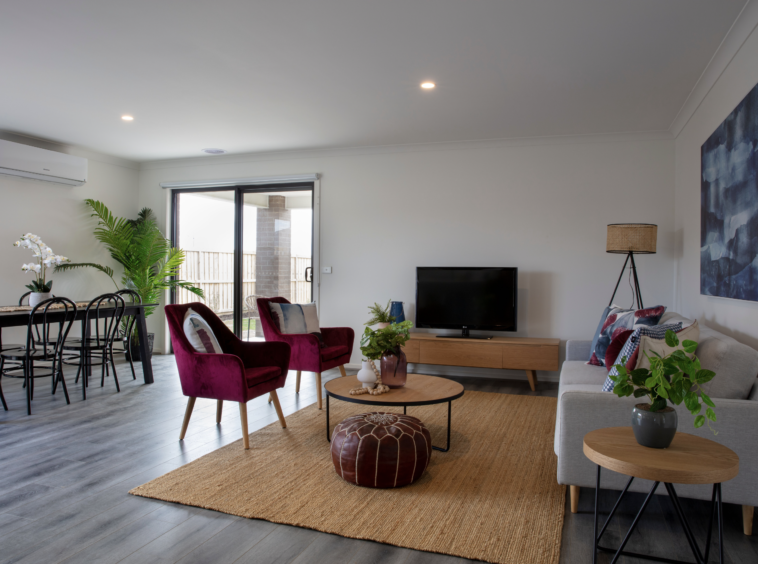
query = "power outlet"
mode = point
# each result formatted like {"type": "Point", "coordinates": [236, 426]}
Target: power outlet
{"type": "Point", "coordinates": [326, 269]}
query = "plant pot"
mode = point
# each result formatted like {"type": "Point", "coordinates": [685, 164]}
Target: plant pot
{"type": "Point", "coordinates": [394, 368]}
{"type": "Point", "coordinates": [37, 297]}
{"type": "Point", "coordinates": [654, 429]}
{"type": "Point", "coordinates": [366, 375]}
{"type": "Point", "coordinates": [382, 325]}
{"type": "Point", "coordinates": [133, 350]}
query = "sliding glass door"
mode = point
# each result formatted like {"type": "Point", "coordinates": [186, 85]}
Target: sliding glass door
{"type": "Point", "coordinates": [244, 243]}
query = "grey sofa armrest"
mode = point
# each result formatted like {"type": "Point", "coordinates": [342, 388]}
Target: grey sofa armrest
{"type": "Point", "coordinates": [578, 350]}
{"type": "Point", "coordinates": [581, 412]}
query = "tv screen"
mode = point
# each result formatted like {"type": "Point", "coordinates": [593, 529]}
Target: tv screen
{"type": "Point", "coordinates": [466, 298]}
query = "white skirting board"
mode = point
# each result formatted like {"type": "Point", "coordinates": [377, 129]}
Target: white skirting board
{"type": "Point", "coordinates": [460, 371]}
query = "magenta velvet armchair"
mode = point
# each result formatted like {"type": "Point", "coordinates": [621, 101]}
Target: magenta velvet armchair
{"type": "Point", "coordinates": [307, 353]}
{"type": "Point", "coordinates": [245, 370]}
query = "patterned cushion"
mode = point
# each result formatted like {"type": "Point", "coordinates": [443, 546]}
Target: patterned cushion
{"type": "Point", "coordinates": [361, 457]}
{"type": "Point", "coordinates": [199, 333]}
{"type": "Point", "coordinates": [599, 329]}
{"type": "Point", "coordinates": [620, 320]}
{"type": "Point", "coordinates": [631, 347]}
{"type": "Point", "coordinates": [296, 319]}
{"type": "Point", "coordinates": [618, 342]}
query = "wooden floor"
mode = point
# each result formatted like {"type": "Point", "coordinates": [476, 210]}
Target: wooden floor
{"type": "Point", "coordinates": [66, 470]}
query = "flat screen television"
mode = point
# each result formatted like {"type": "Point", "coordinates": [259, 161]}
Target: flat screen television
{"type": "Point", "coordinates": [466, 298]}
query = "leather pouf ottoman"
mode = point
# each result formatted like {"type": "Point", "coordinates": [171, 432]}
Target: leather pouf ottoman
{"type": "Point", "coordinates": [381, 450]}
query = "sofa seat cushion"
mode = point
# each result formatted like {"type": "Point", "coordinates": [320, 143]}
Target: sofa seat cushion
{"type": "Point", "coordinates": [333, 352]}
{"type": "Point", "coordinates": [260, 374]}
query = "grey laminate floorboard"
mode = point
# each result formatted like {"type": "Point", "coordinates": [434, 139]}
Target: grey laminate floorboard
{"type": "Point", "coordinates": [65, 474]}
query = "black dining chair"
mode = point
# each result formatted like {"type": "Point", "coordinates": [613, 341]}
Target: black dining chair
{"type": "Point", "coordinates": [49, 323]}
{"type": "Point", "coordinates": [104, 314]}
{"type": "Point", "coordinates": [12, 366]}
{"type": "Point", "coordinates": [127, 329]}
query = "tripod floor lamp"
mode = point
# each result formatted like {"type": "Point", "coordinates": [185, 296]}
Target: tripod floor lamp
{"type": "Point", "coordinates": [631, 239]}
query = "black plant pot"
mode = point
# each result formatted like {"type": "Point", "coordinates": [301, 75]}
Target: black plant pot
{"type": "Point", "coordinates": [654, 429]}
{"type": "Point", "coordinates": [133, 350]}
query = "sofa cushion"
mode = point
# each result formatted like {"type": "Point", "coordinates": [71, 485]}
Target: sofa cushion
{"type": "Point", "coordinates": [735, 365]}
{"type": "Point", "coordinates": [618, 342]}
{"type": "Point", "coordinates": [674, 317]}
{"type": "Point", "coordinates": [619, 320]}
{"type": "Point", "coordinates": [599, 329]}
{"type": "Point", "coordinates": [631, 349]}
{"type": "Point", "coordinates": [260, 374]}
{"type": "Point", "coordinates": [652, 345]}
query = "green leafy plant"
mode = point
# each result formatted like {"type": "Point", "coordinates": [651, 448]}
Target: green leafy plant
{"type": "Point", "coordinates": [374, 343]}
{"type": "Point", "coordinates": [380, 314]}
{"type": "Point", "coordinates": [150, 262]}
{"type": "Point", "coordinates": [676, 378]}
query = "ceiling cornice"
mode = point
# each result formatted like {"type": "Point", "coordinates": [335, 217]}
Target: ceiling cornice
{"type": "Point", "coordinates": [741, 29]}
{"type": "Point", "coordinates": [411, 148]}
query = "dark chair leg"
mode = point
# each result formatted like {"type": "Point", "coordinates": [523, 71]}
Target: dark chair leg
{"type": "Point", "coordinates": [115, 376]}
{"type": "Point", "coordinates": [131, 363]}
{"type": "Point", "coordinates": [31, 380]}
{"type": "Point", "coordinates": [83, 370]}
{"type": "Point", "coordinates": [2, 397]}
{"type": "Point", "coordinates": [28, 389]}
{"type": "Point", "coordinates": [103, 368]}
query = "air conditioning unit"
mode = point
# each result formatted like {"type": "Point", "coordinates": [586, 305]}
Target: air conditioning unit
{"type": "Point", "coordinates": [30, 162]}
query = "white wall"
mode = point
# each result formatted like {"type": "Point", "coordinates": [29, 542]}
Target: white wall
{"type": "Point", "coordinates": [735, 317]}
{"type": "Point", "coordinates": [57, 214]}
{"type": "Point", "coordinates": [541, 206]}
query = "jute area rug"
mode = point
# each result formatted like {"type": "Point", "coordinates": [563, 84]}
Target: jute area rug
{"type": "Point", "coordinates": [492, 497]}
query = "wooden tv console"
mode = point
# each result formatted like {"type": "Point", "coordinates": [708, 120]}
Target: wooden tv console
{"type": "Point", "coordinates": [511, 353]}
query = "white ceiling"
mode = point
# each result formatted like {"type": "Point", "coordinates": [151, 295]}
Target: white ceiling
{"type": "Point", "coordinates": [252, 75]}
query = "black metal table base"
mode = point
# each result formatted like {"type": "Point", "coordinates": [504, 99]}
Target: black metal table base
{"type": "Point", "coordinates": [700, 558]}
{"type": "Point", "coordinates": [405, 411]}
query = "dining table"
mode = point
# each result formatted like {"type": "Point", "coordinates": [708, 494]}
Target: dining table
{"type": "Point", "coordinates": [18, 316]}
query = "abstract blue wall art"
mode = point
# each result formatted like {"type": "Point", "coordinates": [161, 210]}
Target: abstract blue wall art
{"type": "Point", "coordinates": [729, 205]}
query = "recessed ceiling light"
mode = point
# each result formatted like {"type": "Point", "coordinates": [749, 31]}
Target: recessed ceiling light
{"type": "Point", "coordinates": [127, 118]}
{"type": "Point", "coordinates": [427, 85]}
{"type": "Point", "coordinates": [214, 151]}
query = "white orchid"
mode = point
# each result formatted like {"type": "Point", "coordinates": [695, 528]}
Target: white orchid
{"type": "Point", "coordinates": [45, 257]}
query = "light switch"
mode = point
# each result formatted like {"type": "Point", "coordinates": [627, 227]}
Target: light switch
{"type": "Point", "coordinates": [326, 269]}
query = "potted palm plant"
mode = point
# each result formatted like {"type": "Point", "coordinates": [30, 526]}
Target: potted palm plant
{"type": "Point", "coordinates": [149, 261]}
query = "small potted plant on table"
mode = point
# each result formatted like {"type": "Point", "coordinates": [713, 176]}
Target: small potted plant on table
{"type": "Point", "coordinates": [385, 344]}
{"type": "Point", "coordinates": [675, 377]}
{"type": "Point", "coordinates": [40, 286]}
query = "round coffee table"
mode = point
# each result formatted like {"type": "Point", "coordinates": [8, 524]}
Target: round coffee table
{"type": "Point", "coordinates": [418, 390]}
{"type": "Point", "coordinates": [689, 460]}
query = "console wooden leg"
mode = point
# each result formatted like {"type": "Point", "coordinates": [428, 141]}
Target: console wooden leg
{"type": "Point", "coordinates": [342, 370]}
{"type": "Point", "coordinates": [318, 388]}
{"type": "Point", "coordinates": [574, 491]}
{"type": "Point", "coordinates": [297, 383]}
{"type": "Point", "coordinates": [187, 415]}
{"type": "Point", "coordinates": [243, 423]}
{"type": "Point", "coordinates": [747, 519]}
{"type": "Point", "coordinates": [532, 375]}
{"type": "Point", "coordinates": [278, 408]}
{"type": "Point", "coordinates": [219, 407]}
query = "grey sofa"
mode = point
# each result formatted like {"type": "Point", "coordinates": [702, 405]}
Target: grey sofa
{"type": "Point", "coordinates": [583, 407]}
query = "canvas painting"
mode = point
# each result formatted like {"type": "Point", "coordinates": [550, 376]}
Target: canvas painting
{"type": "Point", "coordinates": [729, 205]}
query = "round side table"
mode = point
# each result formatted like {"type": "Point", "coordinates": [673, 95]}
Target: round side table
{"type": "Point", "coordinates": [689, 460]}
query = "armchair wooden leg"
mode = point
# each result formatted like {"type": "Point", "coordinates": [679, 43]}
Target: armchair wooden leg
{"type": "Point", "coordinates": [219, 407]}
{"type": "Point", "coordinates": [342, 370]}
{"type": "Point", "coordinates": [243, 422]}
{"type": "Point", "coordinates": [318, 388]}
{"type": "Point", "coordinates": [187, 415]}
{"type": "Point", "coordinates": [269, 398]}
{"type": "Point", "coordinates": [297, 383]}
{"type": "Point", "coordinates": [278, 408]}
{"type": "Point", "coordinates": [574, 491]}
{"type": "Point", "coordinates": [747, 519]}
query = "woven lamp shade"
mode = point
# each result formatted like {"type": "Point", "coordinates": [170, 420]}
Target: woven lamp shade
{"type": "Point", "coordinates": [637, 238]}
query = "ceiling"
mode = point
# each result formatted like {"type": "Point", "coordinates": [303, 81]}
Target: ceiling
{"type": "Point", "coordinates": [252, 75]}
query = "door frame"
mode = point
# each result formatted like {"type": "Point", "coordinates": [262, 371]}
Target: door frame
{"type": "Point", "coordinates": [239, 192]}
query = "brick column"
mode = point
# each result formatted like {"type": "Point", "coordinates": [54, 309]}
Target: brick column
{"type": "Point", "coordinates": [273, 267]}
